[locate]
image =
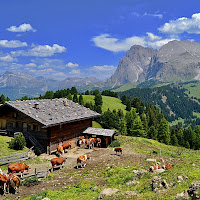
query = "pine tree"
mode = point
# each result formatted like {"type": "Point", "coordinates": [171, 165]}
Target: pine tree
{"type": "Point", "coordinates": [98, 99]}
{"type": "Point", "coordinates": [80, 99]}
{"type": "Point", "coordinates": [122, 127]}
{"type": "Point", "coordinates": [75, 98]}
{"type": "Point", "coordinates": [163, 131]}
{"type": "Point", "coordinates": [2, 99]}
{"type": "Point", "coordinates": [128, 105]}
{"type": "Point", "coordinates": [129, 121]}
{"type": "Point", "coordinates": [137, 128]}
{"type": "Point", "coordinates": [174, 140]}
{"type": "Point", "coordinates": [74, 91]}
{"type": "Point", "coordinates": [69, 96]}
{"type": "Point", "coordinates": [152, 133]}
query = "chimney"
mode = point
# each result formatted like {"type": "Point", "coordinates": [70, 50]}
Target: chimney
{"type": "Point", "coordinates": [37, 105]}
{"type": "Point", "coordinates": [65, 103]}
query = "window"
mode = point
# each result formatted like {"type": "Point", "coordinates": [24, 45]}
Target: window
{"type": "Point", "coordinates": [35, 127]}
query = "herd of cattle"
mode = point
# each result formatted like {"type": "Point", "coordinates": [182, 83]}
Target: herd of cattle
{"type": "Point", "coordinates": [10, 180]}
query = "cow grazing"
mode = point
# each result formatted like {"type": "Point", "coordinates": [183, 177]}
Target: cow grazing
{"type": "Point", "coordinates": [13, 181]}
{"type": "Point", "coordinates": [167, 166]}
{"type": "Point", "coordinates": [18, 167]}
{"type": "Point", "coordinates": [118, 149]}
{"type": "Point", "coordinates": [3, 182]}
{"type": "Point", "coordinates": [82, 159]}
{"type": "Point", "coordinates": [60, 150]}
{"type": "Point", "coordinates": [66, 146]}
{"type": "Point", "coordinates": [58, 161]}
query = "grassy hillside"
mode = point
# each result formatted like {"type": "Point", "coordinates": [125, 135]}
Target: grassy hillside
{"type": "Point", "coordinates": [125, 87]}
{"type": "Point", "coordinates": [106, 170]}
{"type": "Point", "coordinates": [108, 102]}
{"type": "Point", "coordinates": [193, 89]}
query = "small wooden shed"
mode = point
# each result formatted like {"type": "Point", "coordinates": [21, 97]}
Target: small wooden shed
{"type": "Point", "coordinates": [106, 135]}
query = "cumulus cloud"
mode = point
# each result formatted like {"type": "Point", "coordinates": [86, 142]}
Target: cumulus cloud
{"type": "Point", "coordinates": [183, 24]}
{"type": "Point", "coordinates": [7, 58]}
{"type": "Point", "coordinates": [40, 51]}
{"type": "Point", "coordinates": [107, 42]}
{"type": "Point", "coordinates": [22, 28]}
{"type": "Point", "coordinates": [12, 44]}
{"type": "Point", "coordinates": [71, 65]}
{"type": "Point", "coordinates": [31, 65]}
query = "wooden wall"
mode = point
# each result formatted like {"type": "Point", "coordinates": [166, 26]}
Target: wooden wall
{"type": "Point", "coordinates": [67, 132]}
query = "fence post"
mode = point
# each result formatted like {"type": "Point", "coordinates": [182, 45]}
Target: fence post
{"type": "Point", "coordinates": [35, 172]}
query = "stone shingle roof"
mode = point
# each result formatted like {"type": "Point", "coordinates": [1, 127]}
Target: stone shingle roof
{"type": "Point", "coordinates": [52, 112]}
{"type": "Point", "coordinates": [100, 131]}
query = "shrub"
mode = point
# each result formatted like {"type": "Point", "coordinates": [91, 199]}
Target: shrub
{"type": "Point", "coordinates": [30, 181]}
{"type": "Point", "coordinates": [17, 143]}
{"type": "Point", "coordinates": [115, 143]}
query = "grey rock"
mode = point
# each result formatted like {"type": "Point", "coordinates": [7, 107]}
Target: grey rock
{"type": "Point", "coordinates": [180, 179]}
{"type": "Point", "coordinates": [107, 192]}
{"type": "Point", "coordinates": [194, 190]}
{"type": "Point", "coordinates": [132, 183]}
{"type": "Point", "coordinates": [139, 174]}
{"type": "Point", "coordinates": [165, 184]}
{"type": "Point", "coordinates": [183, 195]}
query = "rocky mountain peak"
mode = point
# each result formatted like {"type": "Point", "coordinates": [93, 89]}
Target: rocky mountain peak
{"type": "Point", "coordinates": [176, 60]}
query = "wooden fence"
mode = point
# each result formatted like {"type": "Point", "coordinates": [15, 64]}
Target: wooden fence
{"type": "Point", "coordinates": [13, 158]}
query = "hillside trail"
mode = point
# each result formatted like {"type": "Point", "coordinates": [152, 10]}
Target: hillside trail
{"type": "Point", "coordinates": [100, 157]}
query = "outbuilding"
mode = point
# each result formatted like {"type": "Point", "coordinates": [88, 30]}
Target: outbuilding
{"type": "Point", "coordinates": [46, 122]}
{"type": "Point", "coordinates": [106, 135]}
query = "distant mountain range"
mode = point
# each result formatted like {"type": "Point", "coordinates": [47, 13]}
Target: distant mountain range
{"type": "Point", "coordinates": [175, 61]}
{"type": "Point", "coordinates": [16, 85]}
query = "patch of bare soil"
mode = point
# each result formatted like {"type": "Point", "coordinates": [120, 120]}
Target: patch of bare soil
{"type": "Point", "coordinates": [99, 158]}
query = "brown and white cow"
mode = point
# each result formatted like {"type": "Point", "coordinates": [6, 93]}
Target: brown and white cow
{"type": "Point", "coordinates": [153, 168]}
{"type": "Point", "coordinates": [82, 159]}
{"type": "Point", "coordinates": [60, 150]}
{"type": "Point", "coordinates": [117, 149]}
{"type": "Point", "coordinates": [58, 161]}
{"type": "Point", "coordinates": [67, 146]}
{"type": "Point", "coordinates": [3, 182]}
{"type": "Point", "coordinates": [88, 142]}
{"type": "Point", "coordinates": [168, 166]}
{"type": "Point", "coordinates": [13, 181]}
{"type": "Point", "coordinates": [18, 167]}
{"type": "Point", "coordinates": [98, 142]}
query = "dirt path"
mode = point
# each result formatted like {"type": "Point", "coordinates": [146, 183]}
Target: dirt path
{"type": "Point", "coordinates": [99, 158]}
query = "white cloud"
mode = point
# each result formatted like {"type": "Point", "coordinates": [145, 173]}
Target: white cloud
{"type": "Point", "coordinates": [7, 58]}
{"type": "Point", "coordinates": [183, 24]}
{"type": "Point", "coordinates": [75, 72]}
{"type": "Point", "coordinates": [31, 65]}
{"type": "Point", "coordinates": [107, 42]}
{"type": "Point", "coordinates": [22, 28]}
{"type": "Point", "coordinates": [160, 16]}
{"type": "Point", "coordinates": [71, 65]}
{"type": "Point", "coordinates": [104, 68]}
{"type": "Point", "coordinates": [12, 44]}
{"type": "Point", "coordinates": [40, 51]}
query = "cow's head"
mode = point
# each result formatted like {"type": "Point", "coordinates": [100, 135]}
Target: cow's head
{"type": "Point", "coordinates": [27, 167]}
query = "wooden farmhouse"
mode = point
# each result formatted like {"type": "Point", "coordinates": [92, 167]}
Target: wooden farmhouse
{"type": "Point", "coordinates": [45, 123]}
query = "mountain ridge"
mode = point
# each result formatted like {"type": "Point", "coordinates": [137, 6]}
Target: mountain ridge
{"type": "Point", "coordinates": [174, 61]}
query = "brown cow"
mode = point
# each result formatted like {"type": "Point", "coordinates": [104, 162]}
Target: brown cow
{"type": "Point", "coordinates": [88, 142]}
{"type": "Point", "coordinates": [81, 159]}
{"type": "Point", "coordinates": [167, 166]}
{"type": "Point", "coordinates": [117, 149]}
{"type": "Point", "coordinates": [3, 182]}
{"type": "Point", "coordinates": [18, 167]}
{"type": "Point", "coordinates": [13, 181]}
{"type": "Point", "coordinates": [58, 161]}
{"type": "Point", "coordinates": [66, 146]}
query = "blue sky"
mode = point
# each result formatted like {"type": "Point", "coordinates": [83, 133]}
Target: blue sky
{"type": "Point", "coordinates": [63, 38]}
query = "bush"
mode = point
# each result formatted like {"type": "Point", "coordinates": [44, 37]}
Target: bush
{"type": "Point", "coordinates": [17, 143]}
{"type": "Point", "coordinates": [30, 181]}
{"type": "Point", "coordinates": [115, 143]}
